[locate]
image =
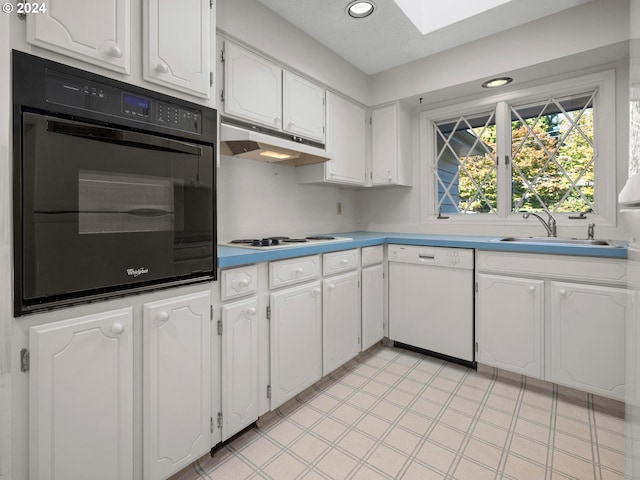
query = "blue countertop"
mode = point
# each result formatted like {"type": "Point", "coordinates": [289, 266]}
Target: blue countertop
{"type": "Point", "coordinates": [233, 256]}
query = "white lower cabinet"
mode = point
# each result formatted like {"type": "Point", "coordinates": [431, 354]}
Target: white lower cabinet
{"type": "Point", "coordinates": [587, 337]}
{"type": "Point", "coordinates": [176, 383]}
{"type": "Point", "coordinates": [341, 327]}
{"type": "Point", "coordinates": [240, 362]}
{"type": "Point", "coordinates": [372, 305]}
{"type": "Point", "coordinates": [556, 317]}
{"type": "Point", "coordinates": [296, 340]}
{"type": "Point", "coordinates": [81, 398]}
{"type": "Point", "coordinates": [509, 323]}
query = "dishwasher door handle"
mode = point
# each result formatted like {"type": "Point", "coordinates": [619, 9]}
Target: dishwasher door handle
{"type": "Point", "coordinates": [426, 258]}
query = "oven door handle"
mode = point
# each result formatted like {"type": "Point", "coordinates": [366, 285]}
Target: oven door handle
{"type": "Point", "coordinates": [148, 212]}
{"type": "Point", "coordinates": [123, 137]}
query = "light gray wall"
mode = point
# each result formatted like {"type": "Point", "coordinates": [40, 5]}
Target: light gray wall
{"type": "Point", "coordinates": [571, 32]}
{"type": "Point", "coordinates": [257, 199]}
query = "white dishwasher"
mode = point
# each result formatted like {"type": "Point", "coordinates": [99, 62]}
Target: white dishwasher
{"type": "Point", "coordinates": [431, 300]}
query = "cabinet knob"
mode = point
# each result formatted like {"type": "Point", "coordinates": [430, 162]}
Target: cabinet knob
{"type": "Point", "coordinates": [117, 328]}
{"type": "Point", "coordinates": [563, 292]}
{"type": "Point", "coordinates": [244, 283]}
{"type": "Point", "coordinates": [162, 67]}
{"type": "Point", "coordinates": [276, 120]}
{"type": "Point", "coordinates": [291, 124]}
{"type": "Point", "coordinates": [344, 261]}
{"type": "Point", "coordinates": [331, 286]}
{"type": "Point", "coordinates": [532, 288]}
{"type": "Point", "coordinates": [389, 178]}
{"type": "Point", "coordinates": [315, 292]}
{"type": "Point", "coordinates": [162, 316]}
{"type": "Point", "coordinates": [299, 271]}
{"type": "Point", "coordinates": [251, 311]}
{"type": "Point", "coordinates": [114, 51]}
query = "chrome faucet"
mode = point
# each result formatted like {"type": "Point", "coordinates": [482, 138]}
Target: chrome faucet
{"type": "Point", "coordinates": [550, 225]}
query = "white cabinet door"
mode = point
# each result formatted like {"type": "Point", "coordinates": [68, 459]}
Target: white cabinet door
{"type": "Point", "coordinates": [239, 366]}
{"type": "Point", "coordinates": [94, 31]}
{"type": "Point", "coordinates": [177, 45]}
{"type": "Point", "coordinates": [296, 341]}
{"type": "Point", "coordinates": [303, 107]}
{"type": "Point", "coordinates": [341, 324]}
{"type": "Point", "coordinates": [346, 127]}
{"type": "Point", "coordinates": [372, 305]}
{"type": "Point", "coordinates": [587, 337]}
{"type": "Point", "coordinates": [176, 383]}
{"type": "Point", "coordinates": [384, 145]}
{"type": "Point", "coordinates": [509, 323]}
{"type": "Point", "coordinates": [252, 87]}
{"type": "Point", "coordinates": [81, 398]}
{"type": "Point", "coordinates": [390, 145]}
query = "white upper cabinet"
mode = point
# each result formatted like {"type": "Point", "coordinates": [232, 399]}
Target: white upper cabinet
{"type": "Point", "coordinates": [390, 144]}
{"type": "Point", "coordinates": [177, 45]}
{"type": "Point", "coordinates": [252, 87]}
{"type": "Point", "coordinates": [346, 131]}
{"type": "Point", "coordinates": [345, 144]}
{"type": "Point", "coordinates": [303, 107]}
{"type": "Point", "coordinates": [94, 31]}
{"type": "Point", "coordinates": [259, 91]}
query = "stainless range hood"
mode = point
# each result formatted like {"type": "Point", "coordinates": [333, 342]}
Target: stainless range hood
{"type": "Point", "coordinates": [258, 143]}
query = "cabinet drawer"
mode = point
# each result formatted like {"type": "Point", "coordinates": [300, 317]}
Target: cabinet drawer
{"type": "Point", "coordinates": [236, 282]}
{"type": "Point", "coordinates": [580, 268]}
{"type": "Point", "coordinates": [295, 270]}
{"type": "Point", "coordinates": [340, 261]}
{"type": "Point", "coordinates": [372, 255]}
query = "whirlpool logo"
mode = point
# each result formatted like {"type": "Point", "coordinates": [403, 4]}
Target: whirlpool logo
{"type": "Point", "coordinates": [136, 272]}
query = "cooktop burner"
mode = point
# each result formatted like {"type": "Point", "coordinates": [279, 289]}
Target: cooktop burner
{"type": "Point", "coordinates": [280, 241]}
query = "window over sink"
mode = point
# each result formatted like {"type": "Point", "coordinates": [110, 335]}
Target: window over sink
{"type": "Point", "coordinates": [549, 148]}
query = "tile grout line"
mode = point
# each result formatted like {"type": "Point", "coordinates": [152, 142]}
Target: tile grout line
{"type": "Point", "coordinates": [593, 434]}
{"type": "Point", "coordinates": [263, 433]}
{"type": "Point", "coordinates": [389, 371]}
{"type": "Point", "coordinates": [468, 434]}
{"type": "Point", "coordinates": [511, 432]}
{"type": "Point", "coordinates": [416, 396]}
{"type": "Point", "coordinates": [436, 421]}
{"type": "Point", "coordinates": [548, 474]}
{"type": "Point", "coordinates": [312, 466]}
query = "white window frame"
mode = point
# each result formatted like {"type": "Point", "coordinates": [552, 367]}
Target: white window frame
{"type": "Point", "coordinates": [605, 195]}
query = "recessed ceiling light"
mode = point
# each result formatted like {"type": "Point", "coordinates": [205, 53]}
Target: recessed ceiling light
{"type": "Point", "coordinates": [360, 9]}
{"type": "Point", "coordinates": [497, 82]}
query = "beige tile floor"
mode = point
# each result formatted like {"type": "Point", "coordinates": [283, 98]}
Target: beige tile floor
{"type": "Point", "coordinates": [395, 414]}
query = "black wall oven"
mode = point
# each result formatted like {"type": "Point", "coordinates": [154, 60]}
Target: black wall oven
{"type": "Point", "coordinates": [114, 187]}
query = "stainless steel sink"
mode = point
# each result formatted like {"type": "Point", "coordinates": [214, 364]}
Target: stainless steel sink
{"type": "Point", "coordinates": [561, 241]}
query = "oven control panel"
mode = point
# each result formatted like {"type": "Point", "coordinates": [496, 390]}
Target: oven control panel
{"type": "Point", "coordinates": [70, 91]}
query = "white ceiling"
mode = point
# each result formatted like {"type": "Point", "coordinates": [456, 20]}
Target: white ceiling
{"type": "Point", "coordinates": [388, 38]}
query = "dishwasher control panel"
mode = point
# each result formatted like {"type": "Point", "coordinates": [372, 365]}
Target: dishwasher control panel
{"type": "Point", "coordinates": [434, 256]}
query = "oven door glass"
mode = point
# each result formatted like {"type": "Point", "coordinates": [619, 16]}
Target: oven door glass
{"type": "Point", "coordinates": [104, 208]}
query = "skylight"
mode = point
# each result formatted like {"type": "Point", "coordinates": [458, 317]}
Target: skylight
{"type": "Point", "coordinates": [429, 16]}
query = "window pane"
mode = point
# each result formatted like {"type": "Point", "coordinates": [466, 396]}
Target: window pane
{"type": "Point", "coordinates": [466, 165]}
{"type": "Point", "coordinates": [553, 155]}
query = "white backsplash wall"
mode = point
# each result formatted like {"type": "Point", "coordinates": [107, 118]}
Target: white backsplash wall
{"type": "Point", "coordinates": [257, 199]}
